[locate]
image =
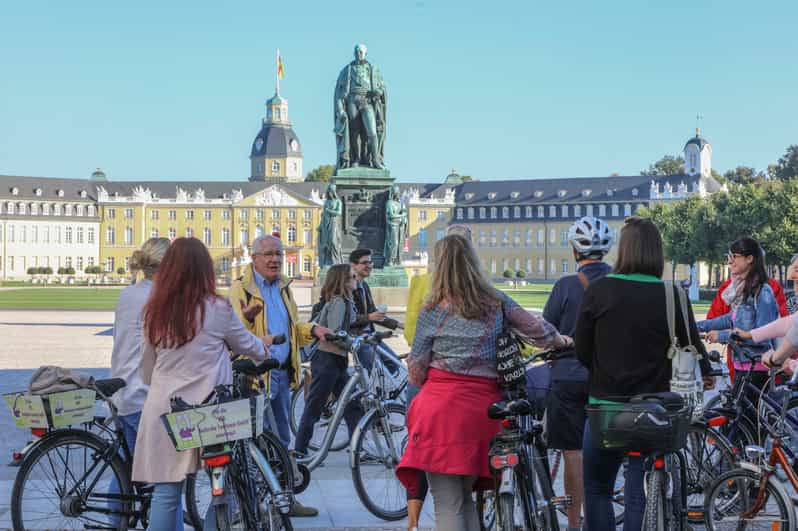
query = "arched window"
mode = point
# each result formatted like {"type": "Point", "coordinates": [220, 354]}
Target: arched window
{"type": "Point", "coordinates": [275, 167]}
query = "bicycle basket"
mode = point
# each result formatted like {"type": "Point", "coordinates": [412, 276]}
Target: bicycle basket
{"type": "Point", "coordinates": [215, 424]}
{"type": "Point", "coordinates": [55, 410]}
{"type": "Point", "coordinates": [646, 423]}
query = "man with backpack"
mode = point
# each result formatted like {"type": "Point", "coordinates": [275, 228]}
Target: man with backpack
{"type": "Point", "coordinates": [590, 239]}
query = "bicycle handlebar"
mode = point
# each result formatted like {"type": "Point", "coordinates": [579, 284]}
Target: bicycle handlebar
{"type": "Point", "coordinates": [279, 339]}
{"type": "Point", "coordinates": [248, 367]}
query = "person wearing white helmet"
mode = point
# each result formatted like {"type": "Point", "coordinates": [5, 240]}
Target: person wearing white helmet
{"type": "Point", "coordinates": [590, 239]}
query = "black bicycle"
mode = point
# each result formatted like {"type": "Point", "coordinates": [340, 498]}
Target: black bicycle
{"type": "Point", "coordinates": [80, 477]}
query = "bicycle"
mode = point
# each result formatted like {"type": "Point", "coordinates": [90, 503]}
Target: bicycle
{"type": "Point", "coordinates": [246, 486]}
{"type": "Point", "coordinates": [65, 477]}
{"type": "Point", "coordinates": [752, 496]}
{"type": "Point", "coordinates": [378, 441]}
{"type": "Point", "coordinates": [396, 385]}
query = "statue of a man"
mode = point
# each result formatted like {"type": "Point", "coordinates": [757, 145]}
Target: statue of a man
{"type": "Point", "coordinates": [360, 115]}
{"type": "Point", "coordinates": [330, 229]}
{"type": "Point", "coordinates": [395, 227]}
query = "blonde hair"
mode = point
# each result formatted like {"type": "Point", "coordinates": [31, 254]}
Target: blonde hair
{"type": "Point", "coordinates": [457, 230]}
{"type": "Point", "coordinates": [146, 260]}
{"type": "Point", "coordinates": [457, 279]}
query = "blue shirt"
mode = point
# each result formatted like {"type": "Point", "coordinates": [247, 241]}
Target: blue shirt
{"type": "Point", "coordinates": [277, 321]}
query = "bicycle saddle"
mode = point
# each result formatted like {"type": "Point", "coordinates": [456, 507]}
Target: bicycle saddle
{"type": "Point", "coordinates": [503, 409]}
{"type": "Point", "coordinates": [109, 386]}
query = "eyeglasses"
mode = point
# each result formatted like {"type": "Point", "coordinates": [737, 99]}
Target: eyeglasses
{"type": "Point", "coordinates": [269, 254]}
{"type": "Point", "coordinates": [732, 256]}
{"type": "Point", "coordinates": [366, 262]}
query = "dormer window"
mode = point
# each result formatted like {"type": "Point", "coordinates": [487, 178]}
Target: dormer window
{"type": "Point", "coordinates": [538, 193]}
{"type": "Point", "coordinates": [59, 193]}
{"type": "Point", "coordinates": [38, 192]}
{"type": "Point", "coordinates": [83, 194]}
{"type": "Point", "coordinates": [586, 192]}
{"type": "Point", "coordinates": [492, 195]}
{"type": "Point", "coordinates": [609, 193]}
{"type": "Point", "coordinates": [635, 191]}
{"type": "Point", "coordinates": [469, 196]}
{"type": "Point", "coordinates": [562, 193]}
{"type": "Point", "coordinates": [15, 191]}
{"type": "Point", "coordinates": [515, 195]}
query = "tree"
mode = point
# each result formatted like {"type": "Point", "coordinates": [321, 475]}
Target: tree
{"type": "Point", "coordinates": [467, 178]}
{"type": "Point", "coordinates": [519, 275]}
{"type": "Point", "coordinates": [741, 175]}
{"type": "Point", "coordinates": [667, 165]}
{"type": "Point", "coordinates": [787, 166]}
{"type": "Point", "coordinates": [321, 173]}
{"type": "Point", "coordinates": [33, 270]}
{"type": "Point", "coordinates": [120, 270]}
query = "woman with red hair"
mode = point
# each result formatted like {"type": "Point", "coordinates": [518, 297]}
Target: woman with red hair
{"type": "Point", "coordinates": [188, 331]}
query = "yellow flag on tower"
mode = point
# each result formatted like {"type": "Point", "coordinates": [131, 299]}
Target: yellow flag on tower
{"type": "Point", "coordinates": [280, 71]}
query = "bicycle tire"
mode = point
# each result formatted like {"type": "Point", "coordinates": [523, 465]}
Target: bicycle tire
{"type": "Point", "coordinates": [545, 512]}
{"type": "Point", "coordinates": [196, 508]}
{"type": "Point", "coordinates": [725, 495]}
{"type": "Point", "coordinates": [654, 513]}
{"type": "Point", "coordinates": [275, 453]}
{"type": "Point", "coordinates": [67, 437]}
{"type": "Point", "coordinates": [366, 426]}
{"type": "Point", "coordinates": [505, 516]}
{"type": "Point", "coordinates": [486, 509]}
{"type": "Point", "coordinates": [703, 467]}
{"type": "Point", "coordinates": [341, 439]}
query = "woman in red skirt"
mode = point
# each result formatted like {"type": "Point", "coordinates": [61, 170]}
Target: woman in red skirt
{"type": "Point", "coordinates": [453, 360]}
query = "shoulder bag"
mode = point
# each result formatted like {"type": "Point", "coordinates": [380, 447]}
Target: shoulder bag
{"type": "Point", "coordinates": [685, 370]}
{"type": "Point", "coordinates": [509, 363]}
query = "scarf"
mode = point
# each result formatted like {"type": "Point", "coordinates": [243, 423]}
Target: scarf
{"type": "Point", "coordinates": [730, 294]}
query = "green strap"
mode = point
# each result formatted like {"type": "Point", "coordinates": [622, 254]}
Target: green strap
{"type": "Point", "coordinates": [637, 277]}
{"type": "Point", "coordinates": [600, 401]}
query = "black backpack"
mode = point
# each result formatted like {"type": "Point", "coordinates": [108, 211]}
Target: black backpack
{"type": "Point", "coordinates": [315, 311]}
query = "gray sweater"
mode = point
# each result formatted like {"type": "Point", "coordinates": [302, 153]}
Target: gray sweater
{"type": "Point", "coordinates": [332, 316]}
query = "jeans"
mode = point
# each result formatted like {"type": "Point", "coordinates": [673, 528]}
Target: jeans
{"type": "Point", "coordinates": [329, 377]}
{"type": "Point", "coordinates": [600, 467]}
{"type": "Point", "coordinates": [280, 397]}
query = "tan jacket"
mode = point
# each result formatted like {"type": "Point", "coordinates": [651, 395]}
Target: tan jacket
{"type": "Point", "coordinates": [299, 333]}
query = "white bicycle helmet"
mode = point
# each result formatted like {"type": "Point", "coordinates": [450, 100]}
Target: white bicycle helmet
{"type": "Point", "coordinates": [590, 236]}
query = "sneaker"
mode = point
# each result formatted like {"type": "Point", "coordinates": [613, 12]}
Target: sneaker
{"type": "Point", "coordinates": [300, 511]}
{"type": "Point", "coordinates": [367, 458]}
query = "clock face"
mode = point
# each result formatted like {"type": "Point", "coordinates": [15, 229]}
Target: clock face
{"type": "Point", "coordinates": [294, 144]}
{"type": "Point", "coordinates": [259, 144]}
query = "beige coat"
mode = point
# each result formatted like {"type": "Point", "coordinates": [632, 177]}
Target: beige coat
{"type": "Point", "coordinates": [191, 372]}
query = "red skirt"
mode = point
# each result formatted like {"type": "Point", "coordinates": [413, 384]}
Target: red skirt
{"type": "Point", "coordinates": [449, 431]}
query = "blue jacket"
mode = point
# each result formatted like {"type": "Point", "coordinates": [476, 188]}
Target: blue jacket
{"type": "Point", "coordinates": [752, 313]}
{"type": "Point", "coordinates": [562, 307]}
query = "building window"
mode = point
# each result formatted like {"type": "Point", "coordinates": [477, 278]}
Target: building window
{"type": "Point", "coordinates": [225, 236]}
{"type": "Point", "coordinates": [505, 212]}
{"type": "Point", "coordinates": [291, 234]}
{"type": "Point", "coordinates": [517, 264]}
{"type": "Point", "coordinates": [172, 233]}
{"type": "Point", "coordinates": [276, 230]}
{"type": "Point", "coordinates": [422, 238]}
{"type": "Point", "coordinates": [258, 230]}
{"type": "Point", "coordinates": [79, 235]}
{"type": "Point", "coordinates": [577, 211]}
{"type": "Point", "coordinates": [109, 264]}
{"type": "Point", "coordinates": [528, 211]}
{"type": "Point", "coordinates": [67, 234]}
{"type": "Point", "coordinates": [306, 264]}
{"type": "Point", "coordinates": [459, 213]}
{"type": "Point", "coordinates": [10, 263]}
{"type": "Point", "coordinates": [34, 235]}
{"type": "Point", "coordinates": [564, 211]}
{"type": "Point", "coordinates": [564, 237]}
{"type": "Point", "coordinates": [57, 210]}
{"type": "Point", "coordinates": [243, 214]}
{"type": "Point", "coordinates": [225, 265]}
{"type": "Point", "coordinates": [206, 236]}
{"type": "Point", "coordinates": [128, 213]}
{"type": "Point", "coordinates": [292, 214]}
{"type": "Point", "coordinates": [528, 265]}
{"type": "Point", "coordinates": [552, 236]}
{"type": "Point", "coordinates": [493, 265]}
{"type": "Point", "coordinates": [259, 215]}
{"type": "Point", "coordinates": [482, 238]}
{"type": "Point", "coordinates": [602, 210]}
{"type": "Point", "coordinates": [308, 215]}
{"type": "Point", "coordinates": [79, 263]}
{"type": "Point", "coordinates": [90, 235]}
{"type": "Point", "coordinates": [552, 211]}
{"type": "Point", "coordinates": [516, 212]}
{"type": "Point", "coordinates": [493, 238]}
{"type": "Point", "coordinates": [78, 210]}
{"type": "Point", "coordinates": [470, 213]}
{"type": "Point", "coordinates": [153, 214]}
{"type": "Point", "coordinates": [207, 215]}
{"type": "Point", "coordinates": [67, 210]}
{"type": "Point", "coordinates": [46, 210]}
{"type": "Point", "coordinates": [243, 237]}
{"type": "Point", "coordinates": [110, 213]}
{"type": "Point", "coordinates": [172, 215]}
{"type": "Point", "coordinates": [153, 233]}
{"type": "Point", "coordinates": [58, 235]}
{"type": "Point", "coordinates": [259, 167]}
{"type": "Point", "coordinates": [589, 209]}
{"type": "Point", "coordinates": [68, 261]}
{"type": "Point", "coordinates": [46, 235]}
{"type": "Point", "coordinates": [275, 168]}
{"type": "Point", "coordinates": [482, 212]}
{"type": "Point", "coordinates": [422, 214]}
{"type": "Point", "coordinates": [505, 237]}
{"type": "Point", "coordinates": [189, 232]}
{"type": "Point", "coordinates": [34, 209]}
{"type": "Point", "coordinates": [552, 266]}
{"type": "Point", "coordinates": [627, 210]}
{"type": "Point", "coordinates": [226, 215]}
{"type": "Point", "coordinates": [190, 215]}
{"type": "Point", "coordinates": [516, 238]}
{"type": "Point", "coordinates": [541, 212]}
{"type": "Point", "coordinates": [308, 237]}
{"type": "Point", "coordinates": [439, 234]}
{"type": "Point", "coordinates": [564, 265]}
{"type": "Point", "coordinates": [529, 237]}
{"type": "Point", "coordinates": [493, 212]}
{"type": "Point", "coordinates": [275, 214]}
{"type": "Point", "coordinates": [541, 237]}
{"type": "Point", "coordinates": [128, 235]}
{"type": "Point", "coordinates": [90, 211]}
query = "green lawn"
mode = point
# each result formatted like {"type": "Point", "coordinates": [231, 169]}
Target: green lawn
{"type": "Point", "coordinates": [59, 298]}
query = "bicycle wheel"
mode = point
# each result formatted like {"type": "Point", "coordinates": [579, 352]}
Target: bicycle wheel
{"type": "Point", "coordinates": [341, 439]}
{"type": "Point", "coordinates": [486, 509]}
{"type": "Point", "coordinates": [506, 514]}
{"type": "Point", "coordinates": [543, 513]}
{"type": "Point", "coordinates": [378, 445]}
{"type": "Point", "coordinates": [280, 463]}
{"type": "Point", "coordinates": [66, 483]}
{"type": "Point", "coordinates": [654, 514]}
{"type": "Point", "coordinates": [708, 455]}
{"type": "Point", "coordinates": [197, 497]}
{"type": "Point", "coordinates": [734, 494]}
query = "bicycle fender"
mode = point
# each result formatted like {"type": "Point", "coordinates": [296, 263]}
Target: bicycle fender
{"type": "Point", "coordinates": [751, 466]}
{"type": "Point", "coordinates": [507, 485]}
{"type": "Point", "coordinates": [361, 426]}
{"type": "Point", "coordinates": [29, 449]}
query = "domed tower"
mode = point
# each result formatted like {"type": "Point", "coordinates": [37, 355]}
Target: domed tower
{"type": "Point", "coordinates": [276, 154]}
{"type": "Point", "coordinates": [698, 156]}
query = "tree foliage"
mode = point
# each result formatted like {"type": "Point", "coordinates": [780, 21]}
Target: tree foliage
{"type": "Point", "coordinates": [787, 166]}
{"type": "Point", "coordinates": [667, 165]}
{"type": "Point", "coordinates": [321, 173]}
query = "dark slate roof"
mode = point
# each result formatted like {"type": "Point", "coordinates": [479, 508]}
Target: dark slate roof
{"type": "Point", "coordinates": [276, 138]}
{"type": "Point", "coordinates": [699, 141]}
{"type": "Point", "coordinates": [27, 186]}
{"type": "Point", "coordinates": [602, 189]}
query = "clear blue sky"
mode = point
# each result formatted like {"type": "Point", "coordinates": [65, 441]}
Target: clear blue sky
{"type": "Point", "coordinates": [500, 90]}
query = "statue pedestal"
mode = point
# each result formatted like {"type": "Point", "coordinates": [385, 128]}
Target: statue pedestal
{"type": "Point", "coordinates": [363, 193]}
{"type": "Point", "coordinates": [390, 277]}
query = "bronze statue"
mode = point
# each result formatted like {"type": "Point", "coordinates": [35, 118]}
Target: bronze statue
{"type": "Point", "coordinates": [360, 116]}
{"type": "Point", "coordinates": [330, 229]}
{"type": "Point", "coordinates": [395, 227]}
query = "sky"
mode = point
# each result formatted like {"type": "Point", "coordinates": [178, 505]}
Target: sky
{"type": "Point", "coordinates": [498, 90]}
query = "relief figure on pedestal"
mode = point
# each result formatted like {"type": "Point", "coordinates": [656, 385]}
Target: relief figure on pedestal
{"type": "Point", "coordinates": [330, 229]}
{"type": "Point", "coordinates": [395, 227]}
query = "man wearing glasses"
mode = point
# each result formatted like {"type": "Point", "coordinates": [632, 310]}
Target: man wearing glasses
{"type": "Point", "coordinates": [263, 301]}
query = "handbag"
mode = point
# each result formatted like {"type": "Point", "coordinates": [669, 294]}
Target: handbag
{"type": "Point", "coordinates": [685, 369]}
{"type": "Point", "coordinates": [510, 366]}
